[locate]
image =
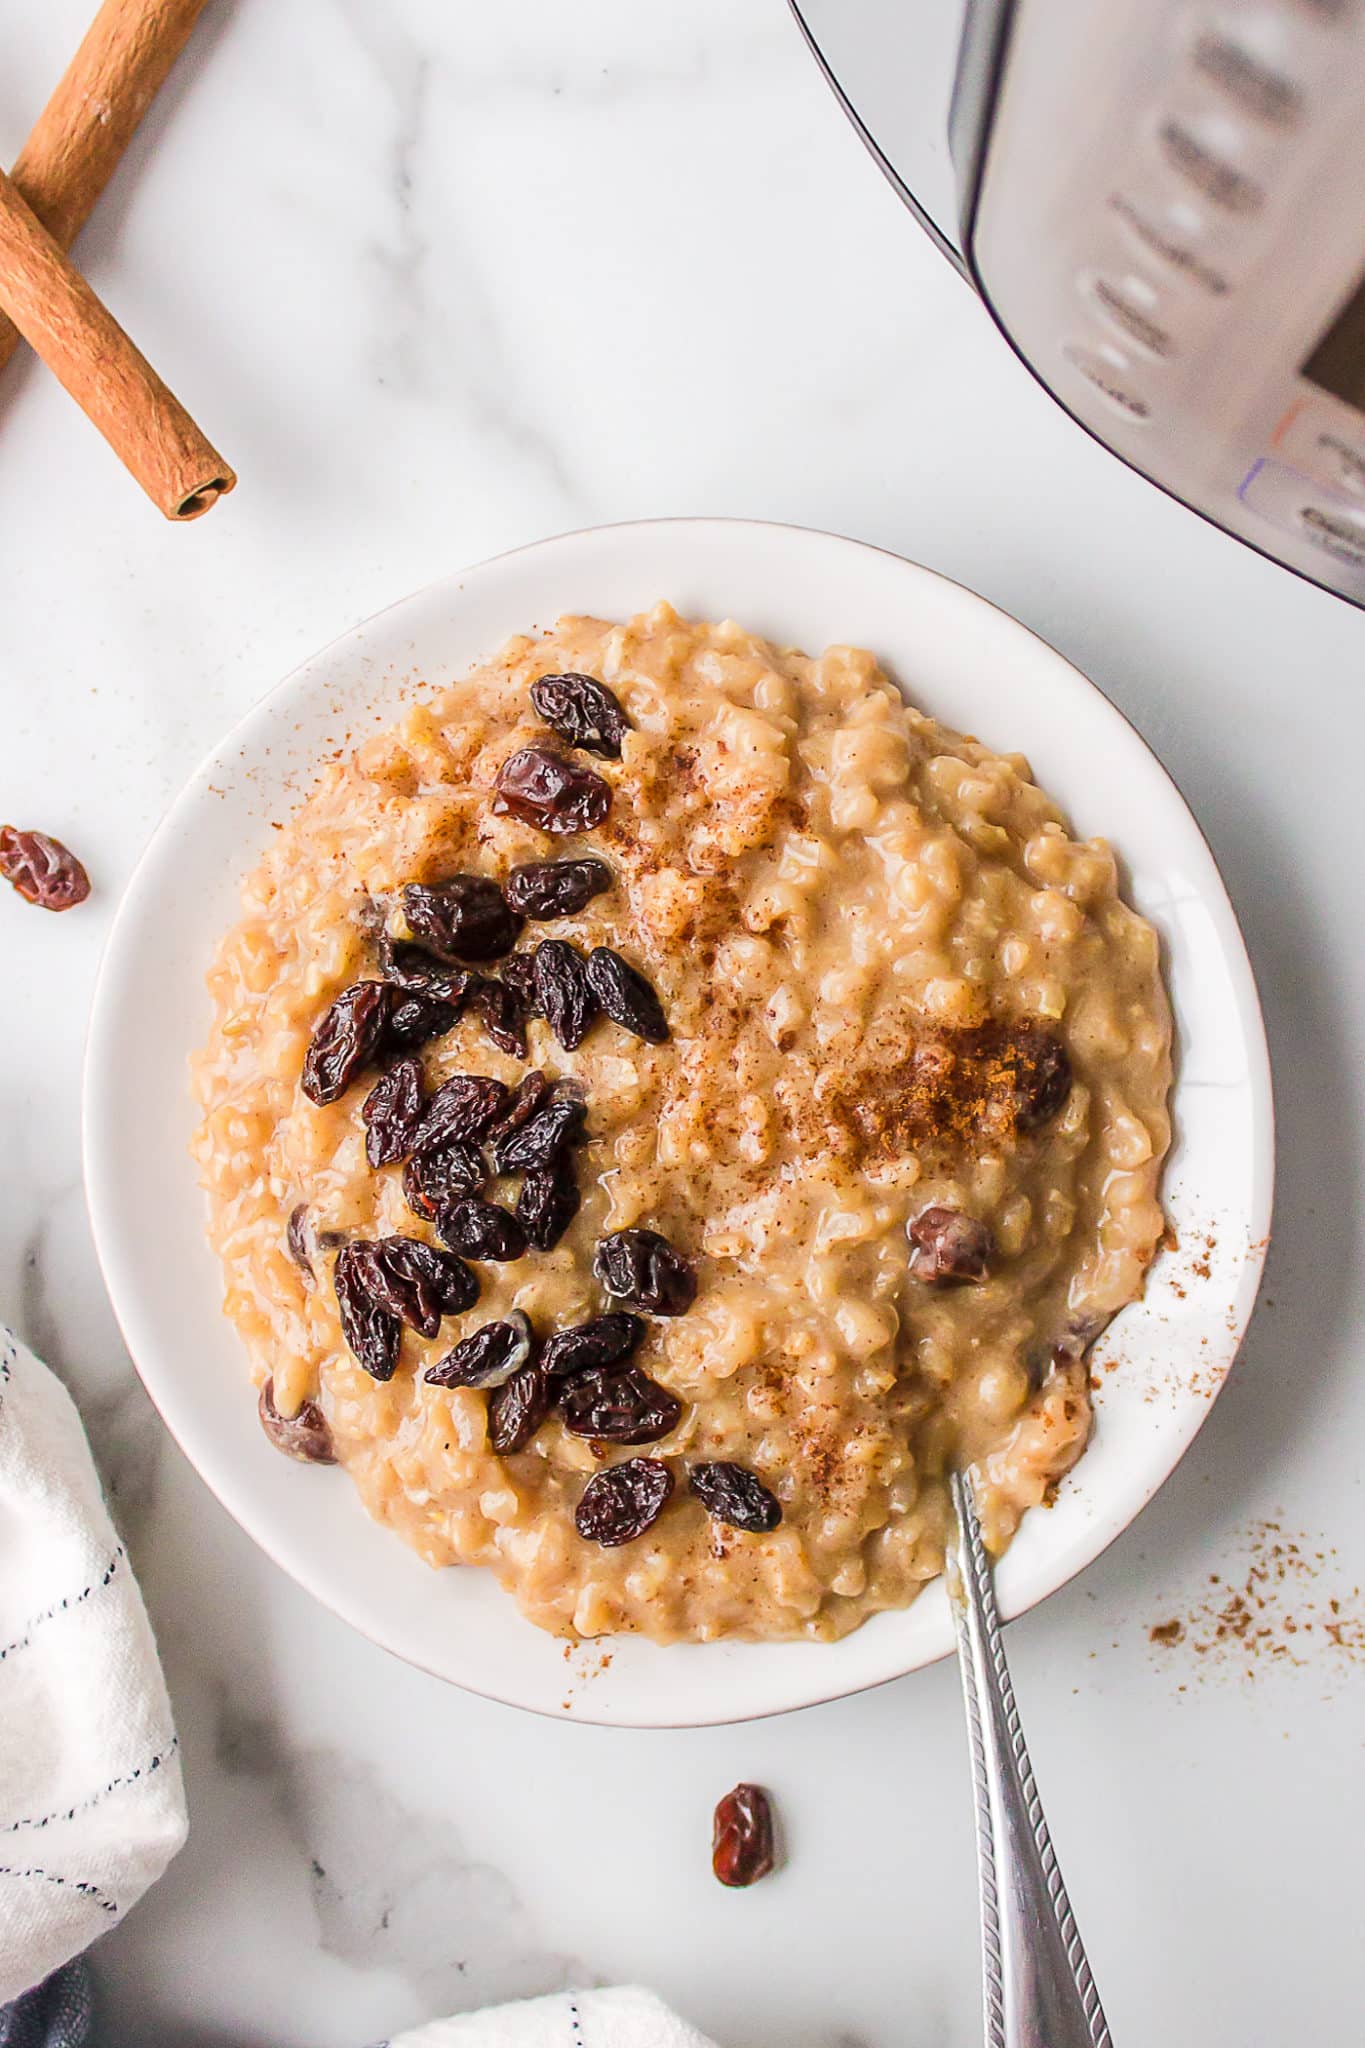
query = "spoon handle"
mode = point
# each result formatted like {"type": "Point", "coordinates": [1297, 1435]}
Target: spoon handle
{"type": "Point", "coordinates": [1037, 1984]}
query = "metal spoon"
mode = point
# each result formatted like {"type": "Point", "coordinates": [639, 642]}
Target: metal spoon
{"type": "Point", "coordinates": [1036, 1981]}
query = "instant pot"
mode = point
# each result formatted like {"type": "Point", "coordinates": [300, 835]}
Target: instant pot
{"type": "Point", "coordinates": [1162, 204]}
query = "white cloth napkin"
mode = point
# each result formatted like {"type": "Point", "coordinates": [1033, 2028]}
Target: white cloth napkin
{"type": "Point", "coordinates": [91, 1804]}
{"type": "Point", "coordinates": [622, 2018]}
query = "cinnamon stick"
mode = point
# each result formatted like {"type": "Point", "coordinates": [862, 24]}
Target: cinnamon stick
{"type": "Point", "coordinates": [113, 383]}
{"type": "Point", "coordinates": [91, 118]}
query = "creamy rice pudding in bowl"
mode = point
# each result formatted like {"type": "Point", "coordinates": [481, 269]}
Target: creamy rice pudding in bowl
{"type": "Point", "coordinates": [668, 1097]}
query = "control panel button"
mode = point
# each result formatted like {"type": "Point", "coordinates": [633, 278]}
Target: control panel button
{"type": "Point", "coordinates": [1324, 441]}
{"type": "Point", "coordinates": [1170, 235]}
{"type": "Point", "coordinates": [1248, 83]}
{"type": "Point", "coordinates": [1190, 148]}
{"type": "Point", "coordinates": [1330, 12]}
{"type": "Point", "coordinates": [1109, 372]}
{"type": "Point", "coordinates": [1133, 306]}
{"type": "Point", "coordinates": [1300, 505]}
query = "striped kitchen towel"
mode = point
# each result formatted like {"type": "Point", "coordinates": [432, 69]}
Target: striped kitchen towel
{"type": "Point", "coordinates": [91, 1804]}
{"type": "Point", "coordinates": [625, 2017]}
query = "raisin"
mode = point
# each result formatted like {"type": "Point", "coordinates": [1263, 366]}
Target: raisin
{"type": "Point", "coordinates": [414, 1020]}
{"type": "Point", "coordinates": [43, 870]}
{"type": "Point", "coordinates": [742, 1836]}
{"type": "Point", "coordinates": [605, 1340]}
{"type": "Point", "coordinates": [433, 1180]}
{"type": "Point", "coordinates": [460, 1112]}
{"type": "Point", "coordinates": [618, 1405]}
{"type": "Point", "coordinates": [563, 992]}
{"type": "Point", "coordinates": [393, 1112]}
{"type": "Point", "coordinates": [488, 1358]}
{"type": "Point", "coordinates": [619, 1504]}
{"type": "Point", "coordinates": [518, 972]}
{"type": "Point", "coordinates": [541, 788]}
{"type": "Point", "coordinates": [549, 1131]}
{"type": "Point", "coordinates": [949, 1248]}
{"type": "Point", "coordinates": [414, 1281]}
{"type": "Point", "coordinates": [464, 918]}
{"type": "Point", "coordinates": [296, 1238]}
{"type": "Point", "coordinates": [304, 1436]}
{"type": "Point", "coordinates": [419, 973]}
{"type": "Point", "coordinates": [517, 1409]}
{"type": "Point", "coordinates": [582, 711]}
{"type": "Point", "coordinates": [501, 1011]}
{"type": "Point", "coordinates": [1042, 1076]}
{"type": "Point", "coordinates": [371, 1332]}
{"type": "Point", "coordinates": [548, 1202]}
{"type": "Point", "coordinates": [544, 889]}
{"type": "Point", "coordinates": [481, 1230]}
{"type": "Point", "coordinates": [442, 1277]}
{"type": "Point", "coordinates": [641, 1267]}
{"type": "Point", "coordinates": [734, 1494]}
{"type": "Point", "coordinates": [625, 996]}
{"type": "Point", "coordinates": [1083, 1332]}
{"type": "Point", "coordinates": [398, 1293]}
{"type": "Point", "coordinates": [348, 1039]}
{"type": "Point", "coordinates": [525, 1099]}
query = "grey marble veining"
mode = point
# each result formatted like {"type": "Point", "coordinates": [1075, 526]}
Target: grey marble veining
{"type": "Point", "coordinates": [383, 1877]}
{"type": "Point", "coordinates": [441, 280]}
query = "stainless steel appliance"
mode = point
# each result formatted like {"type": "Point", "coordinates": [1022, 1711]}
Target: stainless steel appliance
{"type": "Point", "coordinates": [1162, 203]}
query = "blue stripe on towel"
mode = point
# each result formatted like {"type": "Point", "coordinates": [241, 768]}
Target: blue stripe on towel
{"type": "Point", "coordinates": [21, 1642]}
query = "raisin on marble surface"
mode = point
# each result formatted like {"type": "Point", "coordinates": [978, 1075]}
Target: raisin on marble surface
{"type": "Point", "coordinates": [742, 1836]}
{"type": "Point", "coordinates": [42, 870]}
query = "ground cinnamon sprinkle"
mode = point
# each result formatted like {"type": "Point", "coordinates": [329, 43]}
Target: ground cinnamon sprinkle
{"type": "Point", "coordinates": [1274, 1608]}
{"type": "Point", "coordinates": [957, 1087]}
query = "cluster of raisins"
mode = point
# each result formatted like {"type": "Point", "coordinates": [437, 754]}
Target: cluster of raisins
{"type": "Point", "coordinates": [458, 957]}
{"type": "Point", "coordinates": [585, 1374]}
{"type": "Point", "coordinates": [451, 1142]}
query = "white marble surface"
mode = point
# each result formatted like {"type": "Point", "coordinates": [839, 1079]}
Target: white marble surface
{"type": "Point", "coordinates": [441, 279]}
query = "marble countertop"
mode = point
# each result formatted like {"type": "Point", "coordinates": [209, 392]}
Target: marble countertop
{"type": "Point", "coordinates": [439, 281]}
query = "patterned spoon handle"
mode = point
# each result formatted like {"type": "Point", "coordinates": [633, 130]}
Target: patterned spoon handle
{"type": "Point", "coordinates": [1037, 1984]}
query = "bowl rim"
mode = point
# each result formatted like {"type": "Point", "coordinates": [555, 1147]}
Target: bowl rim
{"type": "Point", "coordinates": [1052, 1574]}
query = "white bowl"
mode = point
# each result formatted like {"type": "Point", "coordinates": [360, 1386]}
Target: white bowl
{"type": "Point", "coordinates": [970, 666]}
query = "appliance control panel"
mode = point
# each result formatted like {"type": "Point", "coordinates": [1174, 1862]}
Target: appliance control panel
{"type": "Point", "coordinates": [1170, 228]}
